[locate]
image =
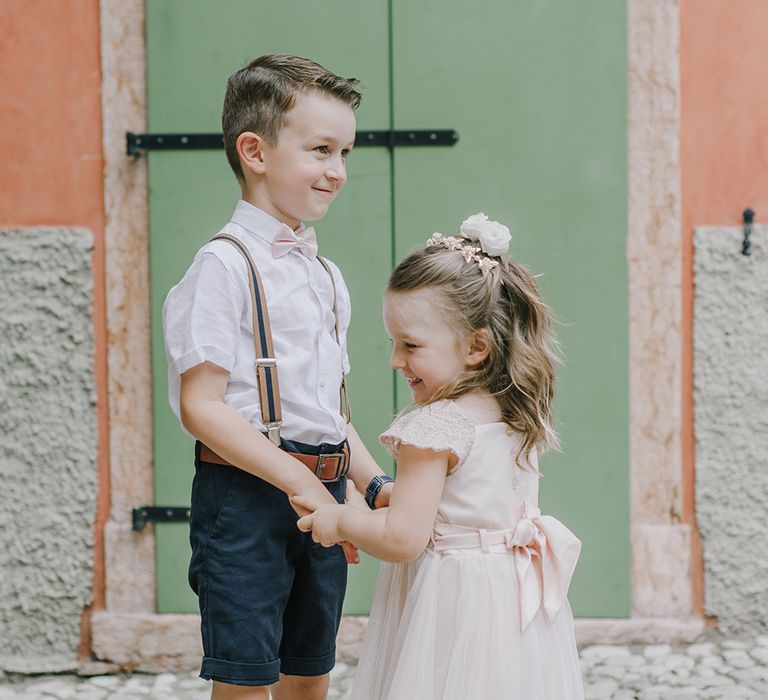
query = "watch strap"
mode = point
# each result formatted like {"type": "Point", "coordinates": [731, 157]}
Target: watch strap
{"type": "Point", "coordinates": [374, 486]}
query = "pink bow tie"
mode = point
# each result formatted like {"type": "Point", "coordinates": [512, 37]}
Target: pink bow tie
{"type": "Point", "coordinates": [287, 239]}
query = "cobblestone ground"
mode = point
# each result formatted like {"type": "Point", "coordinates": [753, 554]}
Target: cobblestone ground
{"type": "Point", "coordinates": [716, 669]}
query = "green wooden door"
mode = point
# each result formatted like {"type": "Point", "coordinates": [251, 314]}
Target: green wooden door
{"type": "Point", "coordinates": [537, 92]}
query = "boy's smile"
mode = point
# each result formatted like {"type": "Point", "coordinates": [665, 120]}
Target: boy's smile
{"type": "Point", "coordinates": [299, 176]}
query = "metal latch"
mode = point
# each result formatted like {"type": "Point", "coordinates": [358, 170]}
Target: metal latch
{"type": "Point", "coordinates": [143, 515]}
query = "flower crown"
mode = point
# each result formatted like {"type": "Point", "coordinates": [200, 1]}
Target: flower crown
{"type": "Point", "coordinates": [480, 240]}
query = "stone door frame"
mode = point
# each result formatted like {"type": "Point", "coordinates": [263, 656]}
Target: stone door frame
{"type": "Point", "coordinates": [666, 563]}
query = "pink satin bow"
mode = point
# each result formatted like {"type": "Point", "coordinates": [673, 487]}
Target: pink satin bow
{"type": "Point", "coordinates": [545, 554]}
{"type": "Point", "coordinates": [303, 239]}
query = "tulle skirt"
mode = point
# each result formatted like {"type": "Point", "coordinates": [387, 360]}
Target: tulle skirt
{"type": "Point", "coordinates": [447, 627]}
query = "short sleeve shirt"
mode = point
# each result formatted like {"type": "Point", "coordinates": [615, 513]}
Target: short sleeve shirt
{"type": "Point", "coordinates": [207, 316]}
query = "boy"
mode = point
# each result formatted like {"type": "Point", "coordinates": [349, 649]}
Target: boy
{"type": "Point", "coordinates": [270, 599]}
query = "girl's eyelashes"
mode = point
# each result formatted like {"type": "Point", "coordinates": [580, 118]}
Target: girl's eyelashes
{"type": "Point", "coordinates": [407, 346]}
{"type": "Point", "coordinates": [321, 149]}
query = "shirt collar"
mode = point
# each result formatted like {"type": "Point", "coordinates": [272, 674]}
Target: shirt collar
{"type": "Point", "coordinates": [257, 221]}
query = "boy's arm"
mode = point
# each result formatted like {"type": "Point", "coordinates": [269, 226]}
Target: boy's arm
{"type": "Point", "coordinates": [400, 532]}
{"type": "Point", "coordinates": [363, 467]}
{"type": "Point", "coordinates": [206, 416]}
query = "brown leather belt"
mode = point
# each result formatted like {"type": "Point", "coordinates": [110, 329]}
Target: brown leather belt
{"type": "Point", "coordinates": [327, 468]}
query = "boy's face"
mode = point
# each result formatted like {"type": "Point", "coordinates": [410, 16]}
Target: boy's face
{"type": "Point", "coordinates": [304, 171]}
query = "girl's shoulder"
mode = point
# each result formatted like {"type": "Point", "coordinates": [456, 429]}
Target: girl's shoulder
{"type": "Point", "coordinates": [437, 426]}
{"type": "Point", "coordinates": [443, 412]}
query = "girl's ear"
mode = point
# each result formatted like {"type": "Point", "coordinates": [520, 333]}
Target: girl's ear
{"type": "Point", "coordinates": [250, 149]}
{"type": "Point", "coordinates": [478, 348]}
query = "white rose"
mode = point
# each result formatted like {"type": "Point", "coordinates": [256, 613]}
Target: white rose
{"type": "Point", "coordinates": [493, 237]}
{"type": "Point", "coordinates": [471, 227]}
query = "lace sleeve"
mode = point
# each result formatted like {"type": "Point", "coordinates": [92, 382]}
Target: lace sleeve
{"type": "Point", "coordinates": [438, 426]}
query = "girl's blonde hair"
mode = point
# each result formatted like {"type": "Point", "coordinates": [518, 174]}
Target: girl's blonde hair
{"type": "Point", "coordinates": [519, 372]}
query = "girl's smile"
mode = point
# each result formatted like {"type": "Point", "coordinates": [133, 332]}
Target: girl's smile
{"type": "Point", "coordinates": [425, 348]}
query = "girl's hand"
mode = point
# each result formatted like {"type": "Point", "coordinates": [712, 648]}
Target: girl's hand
{"type": "Point", "coordinates": [324, 524]}
{"type": "Point", "coordinates": [304, 505]}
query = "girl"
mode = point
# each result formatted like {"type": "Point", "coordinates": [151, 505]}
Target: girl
{"type": "Point", "coordinates": [473, 603]}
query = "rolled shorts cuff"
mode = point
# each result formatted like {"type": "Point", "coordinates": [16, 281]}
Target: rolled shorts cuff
{"type": "Point", "coordinates": [236, 673]}
{"type": "Point", "coordinates": [318, 666]}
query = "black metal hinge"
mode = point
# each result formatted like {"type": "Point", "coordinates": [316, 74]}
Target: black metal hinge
{"type": "Point", "coordinates": [136, 144]}
{"type": "Point", "coordinates": [749, 219]}
{"type": "Point", "coordinates": [143, 515]}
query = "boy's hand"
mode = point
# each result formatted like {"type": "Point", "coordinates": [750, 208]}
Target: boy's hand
{"type": "Point", "coordinates": [310, 496]}
{"type": "Point", "coordinates": [324, 524]}
{"type": "Point", "coordinates": [350, 553]}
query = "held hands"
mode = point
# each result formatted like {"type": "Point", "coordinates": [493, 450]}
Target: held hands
{"type": "Point", "coordinates": [324, 524]}
{"type": "Point", "coordinates": [323, 519]}
{"type": "Point", "coordinates": [304, 504]}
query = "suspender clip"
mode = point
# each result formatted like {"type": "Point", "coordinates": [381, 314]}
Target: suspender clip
{"type": "Point", "coordinates": [273, 432]}
{"type": "Point", "coordinates": [266, 362]}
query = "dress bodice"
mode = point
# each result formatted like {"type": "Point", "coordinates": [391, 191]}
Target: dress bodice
{"type": "Point", "coordinates": [488, 489]}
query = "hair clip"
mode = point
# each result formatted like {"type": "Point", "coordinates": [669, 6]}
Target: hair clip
{"type": "Point", "coordinates": [470, 253]}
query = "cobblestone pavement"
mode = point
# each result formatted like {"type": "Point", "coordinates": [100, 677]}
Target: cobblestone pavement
{"type": "Point", "coordinates": [716, 669]}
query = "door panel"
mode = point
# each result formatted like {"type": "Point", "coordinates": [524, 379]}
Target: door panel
{"type": "Point", "coordinates": [192, 47]}
{"type": "Point", "coordinates": [537, 92]}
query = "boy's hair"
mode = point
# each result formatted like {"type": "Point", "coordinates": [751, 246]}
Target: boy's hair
{"type": "Point", "coordinates": [520, 369]}
{"type": "Point", "coordinates": [259, 96]}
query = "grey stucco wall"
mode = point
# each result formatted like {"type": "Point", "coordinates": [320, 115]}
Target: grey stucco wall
{"type": "Point", "coordinates": [731, 424]}
{"type": "Point", "coordinates": [47, 445]}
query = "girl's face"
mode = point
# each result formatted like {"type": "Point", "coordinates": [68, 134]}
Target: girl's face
{"type": "Point", "coordinates": [424, 347]}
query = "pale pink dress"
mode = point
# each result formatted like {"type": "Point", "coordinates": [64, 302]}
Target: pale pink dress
{"type": "Point", "coordinates": [482, 613]}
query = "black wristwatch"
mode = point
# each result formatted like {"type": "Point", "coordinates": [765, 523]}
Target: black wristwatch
{"type": "Point", "coordinates": [374, 487]}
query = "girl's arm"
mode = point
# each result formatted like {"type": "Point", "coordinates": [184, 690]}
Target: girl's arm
{"type": "Point", "coordinates": [363, 467]}
{"type": "Point", "coordinates": [398, 533]}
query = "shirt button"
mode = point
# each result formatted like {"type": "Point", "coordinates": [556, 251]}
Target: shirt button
{"type": "Point", "coordinates": [322, 380]}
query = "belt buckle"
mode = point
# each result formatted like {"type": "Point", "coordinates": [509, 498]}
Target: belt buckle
{"type": "Point", "coordinates": [341, 469]}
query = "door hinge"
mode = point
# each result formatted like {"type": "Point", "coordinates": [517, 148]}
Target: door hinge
{"type": "Point", "coordinates": [136, 144]}
{"type": "Point", "coordinates": [143, 515]}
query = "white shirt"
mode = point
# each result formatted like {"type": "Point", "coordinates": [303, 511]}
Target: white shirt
{"type": "Point", "coordinates": [207, 316]}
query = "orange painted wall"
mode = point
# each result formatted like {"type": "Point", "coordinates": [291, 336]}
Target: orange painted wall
{"type": "Point", "coordinates": [724, 150]}
{"type": "Point", "coordinates": [51, 164]}
{"type": "Point", "coordinates": [724, 65]}
{"type": "Point", "coordinates": [51, 168]}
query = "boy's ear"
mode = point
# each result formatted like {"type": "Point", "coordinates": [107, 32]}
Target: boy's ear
{"type": "Point", "coordinates": [478, 348]}
{"type": "Point", "coordinates": [250, 149]}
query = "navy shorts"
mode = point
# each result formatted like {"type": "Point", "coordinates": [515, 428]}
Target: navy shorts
{"type": "Point", "coordinates": [270, 598]}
